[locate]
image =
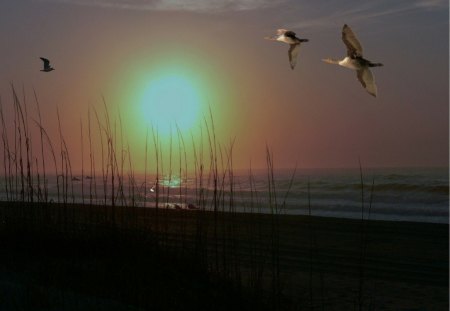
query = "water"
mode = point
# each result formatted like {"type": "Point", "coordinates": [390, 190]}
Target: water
{"type": "Point", "coordinates": [420, 195]}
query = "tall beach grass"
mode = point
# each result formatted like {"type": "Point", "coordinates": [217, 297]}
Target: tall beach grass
{"type": "Point", "coordinates": [208, 230]}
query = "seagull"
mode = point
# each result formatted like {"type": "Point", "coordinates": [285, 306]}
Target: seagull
{"type": "Point", "coordinates": [290, 38]}
{"type": "Point", "coordinates": [47, 66]}
{"type": "Point", "coordinates": [354, 60]}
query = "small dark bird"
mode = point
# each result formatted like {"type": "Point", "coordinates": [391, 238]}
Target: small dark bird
{"type": "Point", "coordinates": [47, 66]}
{"type": "Point", "coordinates": [290, 38]}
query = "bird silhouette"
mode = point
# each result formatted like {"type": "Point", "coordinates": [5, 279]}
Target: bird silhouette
{"type": "Point", "coordinates": [47, 67]}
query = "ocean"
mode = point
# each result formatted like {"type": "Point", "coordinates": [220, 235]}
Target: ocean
{"type": "Point", "coordinates": [414, 194]}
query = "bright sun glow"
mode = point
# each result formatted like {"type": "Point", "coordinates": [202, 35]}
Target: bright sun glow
{"type": "Point", "coordinates": [169, 102]}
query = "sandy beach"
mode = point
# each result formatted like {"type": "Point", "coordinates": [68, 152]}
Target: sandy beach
{"type": "Point", "coordinates": [311, 262]}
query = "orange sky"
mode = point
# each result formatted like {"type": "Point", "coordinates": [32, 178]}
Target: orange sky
{"type": "Point", "coordinates": [317, 115]}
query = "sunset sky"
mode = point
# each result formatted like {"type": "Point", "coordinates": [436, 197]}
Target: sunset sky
{"type": "Point", "coordinates": [211, 53]}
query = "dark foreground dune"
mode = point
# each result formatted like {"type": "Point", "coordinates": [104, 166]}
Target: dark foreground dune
{"type": "Point", "coordinates": [79, 257]}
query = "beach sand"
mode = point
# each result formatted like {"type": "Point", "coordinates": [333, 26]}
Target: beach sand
{"type": "Point", "coordinates": [312, 262]}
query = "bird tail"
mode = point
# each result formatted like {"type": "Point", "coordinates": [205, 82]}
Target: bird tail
{"type": "Point", "coordinates": [375, 64]}
{"type": "Point", "coordinates": [304, 40]}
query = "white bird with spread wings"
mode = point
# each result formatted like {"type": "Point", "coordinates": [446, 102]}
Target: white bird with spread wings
{"type": "Point", "coordinates": [355, 60]}
{"type": "Point", "coordinates": [290, 38]}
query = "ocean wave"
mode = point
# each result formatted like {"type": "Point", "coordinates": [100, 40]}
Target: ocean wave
{"type": "Point", "coordinates": [384, 187]}
{"type": "Point", "coordinates": [441, 189]}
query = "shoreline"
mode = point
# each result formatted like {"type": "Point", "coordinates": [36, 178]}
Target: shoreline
{"type": "Point", "coordinates": [171, 205]}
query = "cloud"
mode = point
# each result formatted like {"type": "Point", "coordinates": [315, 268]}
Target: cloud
{"type": "Point", "coordinates": [350, 12]}
{"type": "Point", "coordinates": [432, 4]}
{"type": "Point", "coordinates": [178, 5]}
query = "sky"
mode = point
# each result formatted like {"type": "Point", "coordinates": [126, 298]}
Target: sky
{"type": "Point", "coordinates": [210, 57]}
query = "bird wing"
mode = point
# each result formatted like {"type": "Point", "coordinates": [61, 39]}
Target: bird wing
{"type": "Point", "coordinates": [354, 48]}
{"type": "Point", "coordinates": [290, 34]}
{"type": "Point", "coordinates": [281, 31]}
{"type": "Point", "coordinates": [293, 54]}
{"type": "Point", "coordinates": [367, 80]}
{"type": "Point", "coordinates": [46, 62]}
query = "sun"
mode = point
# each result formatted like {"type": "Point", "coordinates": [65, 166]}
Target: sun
{"type": "Point", "coordinates": [170, 103]}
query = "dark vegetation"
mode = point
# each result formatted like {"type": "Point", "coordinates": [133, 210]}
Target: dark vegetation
{"type": "Point", "coordinates": [123, 267]}
{"type": "Point", "coordinates": [116, 250]}
{"type": "Point", "coordinates": [112, 231]}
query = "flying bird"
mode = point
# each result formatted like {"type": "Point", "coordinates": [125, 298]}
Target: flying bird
{"type": "Point", "coordinates": [290, 38]}
{"type": "Point", "coordinates": [355, 60]}
{"type": "Point", "coordinates": [47, 66]}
